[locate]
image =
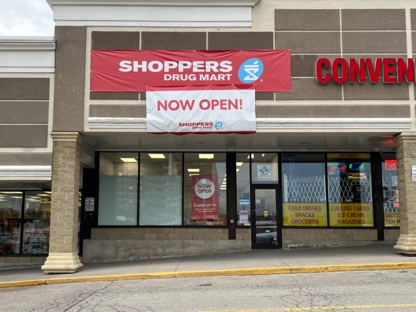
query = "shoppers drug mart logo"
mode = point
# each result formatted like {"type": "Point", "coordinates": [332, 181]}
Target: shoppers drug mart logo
{"type": "Point", "coordinates": [251, 70]}
{"type": "Point", "coordinates": [137, 70]}
{"type": "Point", "coordinates": [218, 125]}
{"type": "Point", "coordinates": [204, 188]}
{"type": "Point", "coordinates": [264, 171]}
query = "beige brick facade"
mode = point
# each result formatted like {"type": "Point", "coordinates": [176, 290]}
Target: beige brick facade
{"type": "Point", "coordinates": [63, 253]}
{"type": "Point", "coordinates": [406, 156]}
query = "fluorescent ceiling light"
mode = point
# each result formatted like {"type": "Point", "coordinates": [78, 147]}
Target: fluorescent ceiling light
{"type": "Point", "coordinates": [239, 164]}
{"type": "Point", "coordinates": [193, 169]}
{"type": "Point", "coordinates": [192, 174]}
{"type": "Point", "coordinates": [10, 192]}
{"type": "Point", "coordinates": [43, 195]}
{"type": "Point", "coordinates": [157, 156]}
{"type": "Point", "coordinates": [128, 160]}
{"type": "Point", "coordinates": [206, 156]}
{"type": "Point", "coordinates": [238, 169]}
{"type": "Point", "coordinates": [252, 156]}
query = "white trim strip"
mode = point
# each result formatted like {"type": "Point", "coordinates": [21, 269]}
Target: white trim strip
{"type": "Point", "coordinates": [273, 123]}
{"type": "Point", "coordinates": [249, 3]}
{"type": "Point", "coordinates": [153, 16]}
{"type": "Point", "coordinates": [116, 123]}
{"type": "Point", "coordinates": [181, 24]}
{"type": "Point", "coordinates": [338, 123]}
{"type": "Point", "coordinates": [26, 172]}
{"type": "Point", "coordinates": [27, 69]}
{"type": "Point", "coordinates": [27, 44]}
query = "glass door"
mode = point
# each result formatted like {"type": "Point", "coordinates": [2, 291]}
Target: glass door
{"type": "Point", "coordinates": [266, 230]}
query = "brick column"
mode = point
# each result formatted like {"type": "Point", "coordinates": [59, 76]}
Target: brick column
{"type": "Point", "coordinates": [406, 156]}
{"type": "Point", "coordinates": [63, 254]}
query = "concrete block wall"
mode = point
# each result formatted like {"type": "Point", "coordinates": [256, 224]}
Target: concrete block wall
{"type": "Point", "coordinates": [391, 235]}
{"type": "Point", "coordinates": [340, 237]}
{"type": "Point", "coordinates": [14, 259]}
{"type": "Point", "coordinates": [116, 244]}
{"type": "Point", "coordinates": [166, 234]}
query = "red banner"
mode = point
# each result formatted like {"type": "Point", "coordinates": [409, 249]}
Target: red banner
{"type": "Point", "coordinates": [205, 201]}
{"type": "Point", "coordinates": [134, 70]}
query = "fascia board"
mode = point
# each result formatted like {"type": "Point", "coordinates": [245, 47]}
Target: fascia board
{"type": "Point", "coordinates": [27, 43]}
{"type": "Point", "coordinates": [194, 3]}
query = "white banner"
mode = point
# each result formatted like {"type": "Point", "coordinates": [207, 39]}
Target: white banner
{"type": "Point", "coordinates": [211, 109]}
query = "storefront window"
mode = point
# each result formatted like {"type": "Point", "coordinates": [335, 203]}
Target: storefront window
{"type": "Point", "coordinates": [243, 189]}
{"type": "Point", "coordinates": [118, 189]}
{"type": "Point", "coordinates": [36, 223]}
{"type": "Point", "coordinates": [304, 189]}
{"type": "Point", "coordinates": [264, 168]}
{"type": "Point", "coordinates": [10, 222]}
{"type": "Point", "coordinates": [390, 190]}
{"type": "Point", "coordinates": [349, 190]}
{"type": "Point", "coordinates": [160, 189]}
{"type": "Point", "coordinates": [205, 189]}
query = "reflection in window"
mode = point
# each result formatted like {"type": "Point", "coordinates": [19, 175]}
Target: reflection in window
{"type": "Point", "coordinates": [10, 218]}
{"type": "Point", "coordinates": [349, 189]}
{"type": "Point", "coordinates": [243, 189]}
{"type": "Point", "coordinates": [390, 190]}
{"type": "Point", "coordinates": [304, 195]}
{"type": "Point", "coordinates": [205, 189]}
{"type": "Point", "coordinates": [36, 224]}
{"type": "Point", "coordinates": [160, 189]}
{"type": "Point", "coordinates": [118, 189]}
{"type": "Point", "coordinates": [266, 216]}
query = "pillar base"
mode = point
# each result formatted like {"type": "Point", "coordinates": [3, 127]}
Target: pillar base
{"type": "Point", "coordinates": [62, 262]}
{"type": "Point", "coordinates": [406, 244]}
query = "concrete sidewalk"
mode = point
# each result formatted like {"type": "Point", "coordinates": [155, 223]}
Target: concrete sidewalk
{"type": "Point", "coordinates": [254, 262]}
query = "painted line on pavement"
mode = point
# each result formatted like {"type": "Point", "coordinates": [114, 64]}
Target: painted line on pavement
{"type": "Point", "coordinates": [208, 273]}
{"type": "Point", "coordinates": [324, 308]}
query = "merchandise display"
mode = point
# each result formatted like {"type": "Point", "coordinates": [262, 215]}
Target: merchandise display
{"type": "Point", "coordinates": [33, 236]}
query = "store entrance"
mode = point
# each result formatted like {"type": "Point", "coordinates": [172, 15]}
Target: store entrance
{"type": "Point", "coordinates": [266, 230]}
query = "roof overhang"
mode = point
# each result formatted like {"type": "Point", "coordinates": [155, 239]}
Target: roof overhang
{"type": "Point", "coordinates": [27, 54]}
{"type": "Point", "coordinates": [153, 13]}
{"type": "Point", "coordinates": [193, 3]}
{"type": "Point", "coordinates": [27, 43]}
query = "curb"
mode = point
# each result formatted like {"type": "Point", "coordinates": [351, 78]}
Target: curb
{"type": "Point", "coordinates": [232, 272]}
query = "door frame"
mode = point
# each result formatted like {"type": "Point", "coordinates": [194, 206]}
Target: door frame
{"type": "Point", "coordinates": [279, 223]}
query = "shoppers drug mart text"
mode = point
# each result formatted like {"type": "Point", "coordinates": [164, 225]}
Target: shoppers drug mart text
{"type": "Point", "coordinates": [136, 70]}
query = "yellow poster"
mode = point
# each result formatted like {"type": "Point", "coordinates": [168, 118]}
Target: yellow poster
{"type": "Point", "coordinates": [351, 214]}
{"type": "Point", "coordinates": [392, 219]}
{"type": "Point", "coordinates": [304, 214]}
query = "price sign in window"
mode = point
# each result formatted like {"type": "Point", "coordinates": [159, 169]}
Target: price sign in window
{"type": "Point", "coordinates": [390, 164]}
{"type": "Point", "coordinates": [390, 190]}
